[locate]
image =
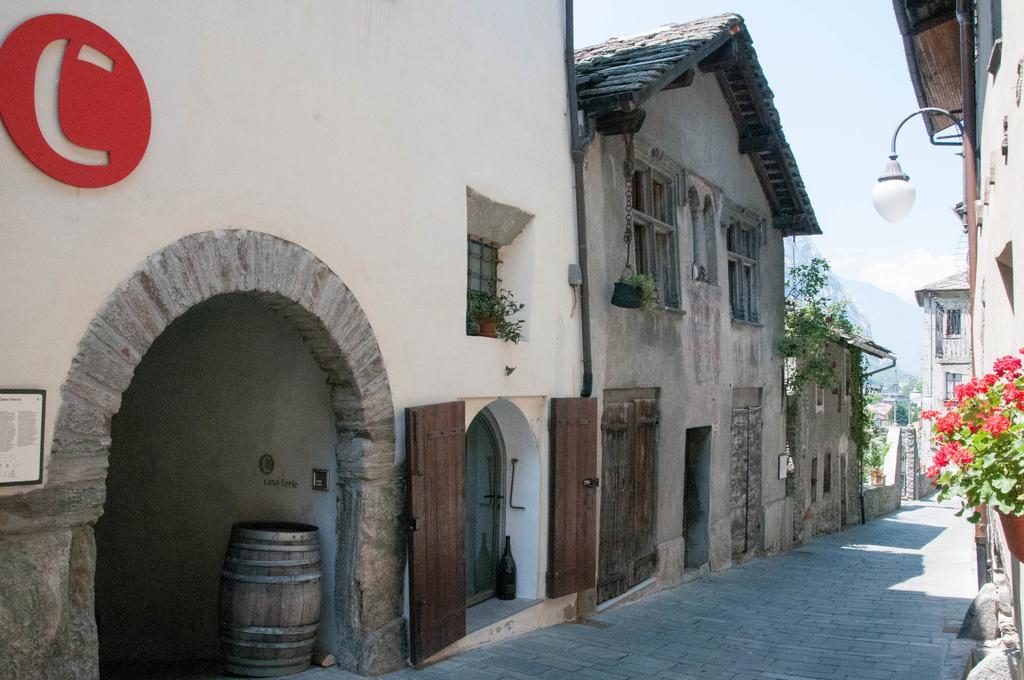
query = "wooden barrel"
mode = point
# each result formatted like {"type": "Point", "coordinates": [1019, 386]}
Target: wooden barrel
{"type": "Point", "coordinates": [270, 598]}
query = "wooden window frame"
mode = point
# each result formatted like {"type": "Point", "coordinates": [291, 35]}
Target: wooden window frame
{"type": "Point", "coordinates": [743, 269]}
{"type": "Point", "coordinates": [647, 228]}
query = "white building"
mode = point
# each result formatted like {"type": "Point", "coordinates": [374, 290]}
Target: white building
{"type": "Point", "coordinates": [267, 294]}
{"type": "Point", "coordinates": [947, 338]}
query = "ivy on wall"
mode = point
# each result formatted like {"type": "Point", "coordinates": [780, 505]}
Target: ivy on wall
{"type": "Point", "coordinates": [813, 324]}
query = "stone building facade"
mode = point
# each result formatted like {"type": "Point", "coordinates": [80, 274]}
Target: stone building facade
{"type": "Point", "coordinates": [262, 299]}
{"type": "Point", "coordinates": [682, 126]}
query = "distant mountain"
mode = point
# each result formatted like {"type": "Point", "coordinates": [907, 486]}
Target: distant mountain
{"type": "Point", "coordinates": [804, 251]}
{"type": "Point", "coordinates": [898, 323]}
{"type": "Point", "coordinates": [880, 315]}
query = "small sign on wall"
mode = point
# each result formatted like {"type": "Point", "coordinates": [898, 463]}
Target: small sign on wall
{"type": "Point", "coordinates": [21, 436]}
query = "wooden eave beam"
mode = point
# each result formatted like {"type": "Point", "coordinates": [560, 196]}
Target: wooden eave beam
{"type": "Point", "coordinates": [684, 80]}
{"type": "Point", "coordinates": [756, 141]}
{"type": "Point", "coordinates": [721, 58]}
{"type": "Point", "coordinates": [621, 122]}
{"type": "Point", "coordinates": [600, 106]}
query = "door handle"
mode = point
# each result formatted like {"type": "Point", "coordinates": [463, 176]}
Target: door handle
{"type": "Point", "coordinates": [591, 482]}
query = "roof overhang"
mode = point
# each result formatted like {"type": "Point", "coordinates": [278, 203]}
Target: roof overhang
{"type": "Point", "coordinates": [867, 346]}
{"type": "Point", "coordinates": [614, 95]}
{"type": "Point", "coordinates": [931, 41]}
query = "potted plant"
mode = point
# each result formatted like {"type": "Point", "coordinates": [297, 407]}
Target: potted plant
{"type": "Point", "coordinates": [493, 312]}
{"type": "Point", "coordinates": [635, 291]}
{"type": "Point", "coordinates": [874, 458]}
{"type": "Point", "coordinates": [876, 476]}
{"type": "Point", "coordinates": [980, 458]}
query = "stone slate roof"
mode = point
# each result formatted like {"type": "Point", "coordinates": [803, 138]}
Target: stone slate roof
{"type": "Point", "coordinates": [954, 282]}
{"type": "Point", "coordinates": [620, 74]}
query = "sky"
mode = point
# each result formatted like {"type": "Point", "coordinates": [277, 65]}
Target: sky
{"type": "Point", "coordinates": [841, 85]}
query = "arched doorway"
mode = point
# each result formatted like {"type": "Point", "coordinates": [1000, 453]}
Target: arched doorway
{"type": "Point", "coordinates": [370, 559]}
{"type": "Point", "coordinates": [225, 420]}
{"type": "Point", "coordinates": [485, 507]}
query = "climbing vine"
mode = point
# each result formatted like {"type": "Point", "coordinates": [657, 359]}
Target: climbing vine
{"type": "Point", "coordinates": [813, 324]}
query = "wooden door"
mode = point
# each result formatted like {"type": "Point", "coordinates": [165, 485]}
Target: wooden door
{"type": "Point", "coordinates": [573, 533]}
{"type": "Point", "coordinates": [629, 447]}
{"type": "Point", "coordinates": [436, 459]}
{"type": "Point", "coordinates": [745, 479]}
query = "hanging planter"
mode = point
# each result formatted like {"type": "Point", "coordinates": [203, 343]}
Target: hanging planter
{"type": "Point", "coordinates": [637, 291]}
{"type": "Point", "coordinates": [627, 296]}
{"type": "Point", "coordinates": [632, 291]}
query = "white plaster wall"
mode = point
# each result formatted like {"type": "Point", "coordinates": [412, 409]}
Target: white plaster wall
{"type": "Point", "coordinates": [998, 330]}
{"type": "Point", "coordinates": [349, 128]}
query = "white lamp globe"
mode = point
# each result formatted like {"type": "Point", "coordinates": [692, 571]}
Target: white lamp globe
{"type": "Point", "coordinates": [894, 194]}
{"type": "Point", "coordinates": [893, 198]}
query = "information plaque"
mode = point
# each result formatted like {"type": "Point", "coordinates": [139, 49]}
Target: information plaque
{"type": "Point", "coordinates": [21, 436]}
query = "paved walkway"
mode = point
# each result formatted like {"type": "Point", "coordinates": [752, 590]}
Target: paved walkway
{"type": "Point", "coordinates": [869, 603]}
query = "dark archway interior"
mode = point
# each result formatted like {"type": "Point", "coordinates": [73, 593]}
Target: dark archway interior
{"type": "Point", "coordinates": [227, 383]}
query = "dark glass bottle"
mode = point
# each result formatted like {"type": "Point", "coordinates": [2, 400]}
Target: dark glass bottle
{"type": "Point", "coordinates": [506, 587]}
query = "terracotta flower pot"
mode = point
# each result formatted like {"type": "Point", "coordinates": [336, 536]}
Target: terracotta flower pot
{"type": "Point", "coordinates": [489, 329]}
{"type": "Point", "coordinates": [1013, 530]}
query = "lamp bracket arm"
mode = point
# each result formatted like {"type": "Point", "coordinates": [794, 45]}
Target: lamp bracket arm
{"type": "Point", "coordinates": [919, 112]}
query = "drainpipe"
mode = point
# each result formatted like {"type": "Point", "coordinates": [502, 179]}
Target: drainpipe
{"type": "Point", "coordinates": [968, 97]}
{"type": "Point", "coordinates": [579, 149]}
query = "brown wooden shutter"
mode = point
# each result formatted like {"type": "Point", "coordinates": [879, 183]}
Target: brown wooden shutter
{"type": "Point", "coordinates": [644, 494]}
{"type": "Point", "coordinates": [629, 454]}
{"type": "Point", "coordinates": [436, 456]}
{"type": "Point", "coordinates": [573, 531]}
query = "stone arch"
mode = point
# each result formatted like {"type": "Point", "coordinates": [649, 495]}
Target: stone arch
{"type": "Point", "coordinates": [300, 287]}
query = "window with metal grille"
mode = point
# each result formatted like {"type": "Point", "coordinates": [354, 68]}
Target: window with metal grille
{"type": "Point", "coordinates": [654, 232]}
{"type": "Point", "coordinates": [940, 314]}
{"type": "Point", "coordinates": [743, 244]}
{"type": "Point", "coordinates": [483, 267]}
{"type": "Point", "coordinates": [953, 327]}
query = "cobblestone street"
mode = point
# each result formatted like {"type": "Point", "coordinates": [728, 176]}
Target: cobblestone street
{"type": "Point", "coordinates": [869, 603]}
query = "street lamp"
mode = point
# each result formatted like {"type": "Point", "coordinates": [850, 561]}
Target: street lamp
{"type": "Point", "coordinates": [894, 195]}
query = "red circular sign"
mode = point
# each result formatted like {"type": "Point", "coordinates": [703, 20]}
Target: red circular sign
{"type": "Point", "coordinates": [100, 106]}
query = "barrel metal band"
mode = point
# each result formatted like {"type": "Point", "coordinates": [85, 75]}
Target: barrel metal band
{"type": "Point", "coordinates": [271, 630]}
{"type": "Point", "coordinates": [250, 578]}
{"type": "Point", "coordinates": [263, 645]}
{"type": "Point", "coordinates": [274, 563]}
{"type": "Point", "coordinates": [272, 547]}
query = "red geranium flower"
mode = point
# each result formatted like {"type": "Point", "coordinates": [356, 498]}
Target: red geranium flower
{"type": "Point", "coordinates": [1008, 366]}
{"type": "Point", "coordinates": [996, 424]}
{"type": "Point", "coordinates": [948, 422]}
{"type": "Point", "coordinates": [990, 379]}
{"type": "Point", "coordinates": [1011, 394]}
{"type": "Point", "coordinates": [929, 414]}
